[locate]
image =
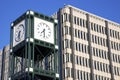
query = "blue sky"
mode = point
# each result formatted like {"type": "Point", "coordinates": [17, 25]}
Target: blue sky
{"type": "Point", "coordinates": [12, 9]}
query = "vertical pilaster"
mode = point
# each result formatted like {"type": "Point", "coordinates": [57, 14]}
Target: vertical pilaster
{"type": "Point", "coordinates": [109, 50]}
{"type": "Point", "coordinates": [72, 42]}
{"type": "Point", "coordinates": [90, 48]}
{"type": "Point", "coordinates": [60, 42]}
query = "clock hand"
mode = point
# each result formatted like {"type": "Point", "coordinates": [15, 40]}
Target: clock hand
{"type": "Point", "coordinates": [43, 32]}
{"type": "Point", "coordinates": [19, 35]}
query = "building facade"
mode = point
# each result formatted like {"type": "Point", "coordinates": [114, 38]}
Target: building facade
{"type": "Point", "coordinates": [4, 63]}
{"type": "Point", "coordinates": [0, 62]}
{"type": "Point", "coordinates": [89, 46]}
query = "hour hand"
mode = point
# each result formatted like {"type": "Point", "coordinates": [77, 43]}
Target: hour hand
{"type": "Point", "coordinates": [43, 32]}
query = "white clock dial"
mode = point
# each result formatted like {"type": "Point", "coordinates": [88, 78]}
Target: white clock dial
{"type": "Point", "coordinates": [43, 30]}
{"type": "Point", "coordinates": [19, 33]}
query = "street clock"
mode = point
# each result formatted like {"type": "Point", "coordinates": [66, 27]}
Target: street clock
{"type": "Point", "coordinates": [33, 47]}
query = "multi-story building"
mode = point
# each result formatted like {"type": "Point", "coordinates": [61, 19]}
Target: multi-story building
{"type": "Point", "coordinates": [89, 46]}
{"type": "Point", "coordinates": [0, 62]}
{"type": "Point", "coordinates": [4, 63]}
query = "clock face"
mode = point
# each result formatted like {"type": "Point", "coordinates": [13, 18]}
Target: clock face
{"type": "Point", "coordinates": [19, 33]}
{"type": "Point", "coordinates": [43, 30]}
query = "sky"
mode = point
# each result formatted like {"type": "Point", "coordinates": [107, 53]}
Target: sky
{"type": "Point", "coordinates": [10, 10]}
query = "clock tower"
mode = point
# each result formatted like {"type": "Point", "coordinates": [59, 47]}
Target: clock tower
{"type": "Point", "coordinates": [34, 48]}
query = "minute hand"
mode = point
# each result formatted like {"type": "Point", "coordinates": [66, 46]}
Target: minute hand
{"type": "Point", "coordinates": [43, 32]}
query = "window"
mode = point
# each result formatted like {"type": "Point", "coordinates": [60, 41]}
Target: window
{"type": "Point", "coordinates": [106, 54]}
{"type": "Point", "coordinates": [69, 31]}
{"type": "Point", "coordinates": [64, 73]}
{"type": "Point", "coordinates": [93, 38]}
{"type": "Point", "coordinates": [72, 70]}
{"type": "Point", "coordinates": [97, 54]}
{"type": "Point", "coordinates": [74, 19]}
{"type": "Point", "coordinates": [94, 27]}
{"type": "Point", "coordinates": [114, 45]}
{"type": "Point", "coordinates": [110, 32]}
{"type": "Point", "coordinates": [97, 29]}
{"type": "Point", "coordinates": [79, 47]}
{"type": "Point", "coordinates": [115, 34]}
{"type": "Point", "coordinates": [117, 46]}
{"type": "Point", "coordinates": [111, 44]}
{"type": "Point", "coordinates": [115, 70]}
{"type": "Point", "coordinates": [104, 42]}
{"type": "Point", "coordinates": [77, 21]}
{"type": "Point", "coordinates": [118, 35]}
{"type": "Point", "coordinates": [87, 62]}
{"type": "Point", "coordinates": [95, 64]}
{"type": "Point", "coordinates": [84, 23]}
{"type": "Point", "coordinates": [80, 60]}
{"type": "Point", "coordinates": [96, 39]}
{"type": "Point", "coordinates": [83, 61]}
{"type": "Point", "coordinates": [99, 40]}
{"type": "Point", "coordinates": [80, 22]}
{"type": "Point", "coordinates": [66, 30]}
{"type": "Point", "coordinates": [85, 35]}
{"type": "Point", "coordinates": [84, 73]}
{"type": "Point", "coordinates": [102, 30]}
{"type": "Point", "coordinates": [81, 74]}
{"type": "Point", "coordinates": [66, 43]}
{"type": "Point", "coordinates": [106, 67]}
{"type": "Point", "coordinates": [71, 57]}
{"type": "Point", "coordinates": [98, 66]}
{"type": "Point", "coordinates": [82, 47]}
{"type": "Point", "coordinates": [66, 17]}
{"type": "Point", "coordinates": [78, 33]}
{"type": "Point", "coordinates": [62, 18]}
{"type": "Point", "coordinates": [85, 49]}
{"type": "Point", "coordinates": [69, 17]}
{"type": "Point", "coordinates": [119, 71]}
{"type": "Point", "coordinates": [119, 58]}
{"type": "Point", "coordinates": [81, 35]}
{"type": "Point", "coordinates": [76, 46]}
{"type": "Point", "coordinates": [78, 74]}
{"type": "Point", "coordinates": [91, 26]}
{"type": "Point", "coordinates": [67, 57]}
{"type": "Point", "coordinates": [67, 72]}
{"type": "Point", "coordinates": [87, 76]}
{"type": "Point", "coordinates": [75, 32]}
{"type": "Point", "coordinates": [76, 59]}
{"type": "Point", "coordinates": [94, 51]}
